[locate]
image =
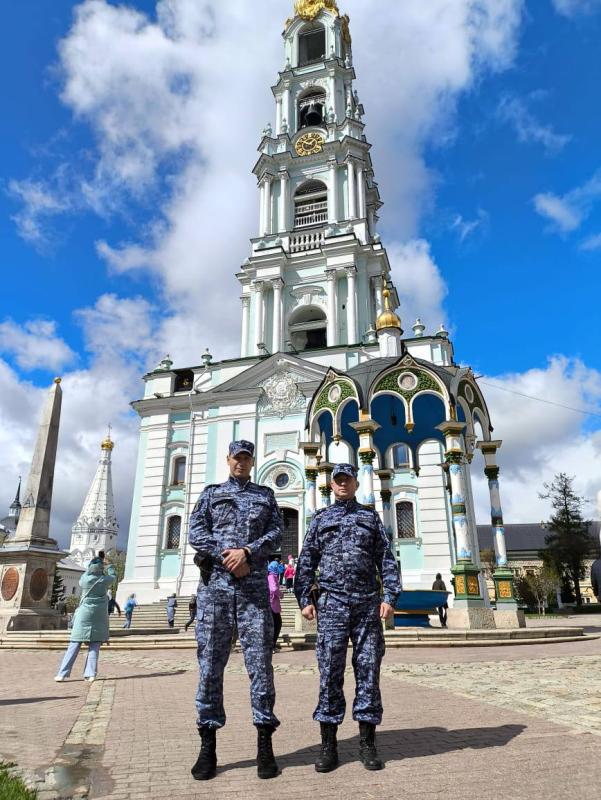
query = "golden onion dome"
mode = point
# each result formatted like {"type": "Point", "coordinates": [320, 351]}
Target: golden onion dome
{"type": "Point", "coordinates": [108, 443]}
{"type": "Point", "coordinates": [387, 319]}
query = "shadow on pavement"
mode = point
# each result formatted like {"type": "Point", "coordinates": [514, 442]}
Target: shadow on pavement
{"type": "Point", "coordinates": [400, 745]}
{"type": "Point", "coordinates": [146, 675]}
{"type": "Point", "coordinates": [25, 700]}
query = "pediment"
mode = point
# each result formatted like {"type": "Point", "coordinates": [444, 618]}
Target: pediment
{"type": "Point", "coordinates": [300, 370]}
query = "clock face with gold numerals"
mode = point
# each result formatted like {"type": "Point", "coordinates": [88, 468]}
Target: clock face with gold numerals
{"type": "Point", "coordinates": [309, 143]}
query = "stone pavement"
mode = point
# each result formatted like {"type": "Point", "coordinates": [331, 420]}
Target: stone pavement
{"type": "Point", "coordinates": [519, 722]}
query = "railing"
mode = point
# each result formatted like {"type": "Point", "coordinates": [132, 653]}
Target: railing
{"type": "Point", "coordinates": [311, 214]}
{"type": "Point", "coordinates": [299, 242]}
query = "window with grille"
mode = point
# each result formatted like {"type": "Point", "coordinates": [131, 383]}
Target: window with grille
{"type": "Point", "coordinates": [179, 470]}
{"type": "Point", "coordinates": [174, 529]}
{"type": "Point", "coordinates": [405, 520]}
{"type": "Point", "coordinates": [401, 458]}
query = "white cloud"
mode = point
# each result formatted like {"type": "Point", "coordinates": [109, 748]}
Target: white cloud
{"type": "Point", "coordinates": [515, 112]}
{"type": "Point", "coordinates": [466, 228]}
{"type": "Point", "coordinates": [39, 205]}
{"type": "Point", "coordinates": [573, 8]}
{"type": "Point", "coordinates": [563, 214]}
{"type": "Point", "coordinates": [35, 345]}
{"type": "Point", "coordinates": [420, 285]}
{"type": "Point", "coordinates": [592, 243]}
{"type": "Point", "coordinates": [540, 439]}
{"type": "Point", "coordinates": [567, 212]}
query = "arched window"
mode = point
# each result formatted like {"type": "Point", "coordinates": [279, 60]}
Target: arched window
{"type": "Point", "coordinates": [311, 204]}
{"type": "Point", "coordinates": [174, 530]}
{"type": "Point", "coordinates": [405, 520]}
{"type": "Point", "coordinates": [311, 45]}
{"type": "Point", "coordinates": [311, 108]}
{"type": "Point", "coordinates": [401, 457]}
{"type": "Point", "coordinates": [179, 471]}
{"type": "Point", "coordinates": [308, 328]}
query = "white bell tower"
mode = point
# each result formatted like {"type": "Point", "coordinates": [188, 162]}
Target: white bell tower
{"type": "Point", "coordinates": [314, 278]}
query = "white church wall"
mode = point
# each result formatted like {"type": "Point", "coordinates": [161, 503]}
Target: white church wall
{"type": "Point", "coordinates": [435, 522]}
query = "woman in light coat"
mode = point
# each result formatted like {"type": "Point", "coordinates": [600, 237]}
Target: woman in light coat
{"type": "Point", "coordinates": [91, 621]}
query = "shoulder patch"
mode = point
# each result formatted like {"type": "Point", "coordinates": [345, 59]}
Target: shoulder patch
{"type": "Point", "coordinates": [319, 511]}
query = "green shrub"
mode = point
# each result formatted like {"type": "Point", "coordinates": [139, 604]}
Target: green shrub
{"type": "Point", "coordinates": [13, 788]}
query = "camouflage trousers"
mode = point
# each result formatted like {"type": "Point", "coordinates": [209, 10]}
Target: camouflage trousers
{"type": "Point", "coordinates": [220, 611]}
{"type": "Point", "coordinates": [338, 621]}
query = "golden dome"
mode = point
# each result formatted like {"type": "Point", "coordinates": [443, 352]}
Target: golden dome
{"type": "Point", "coordinates": [108, 443]}
{"type": "Point", "coordinates": [309, 9]}
{"type": "Point", "coordinates": [387, 319]}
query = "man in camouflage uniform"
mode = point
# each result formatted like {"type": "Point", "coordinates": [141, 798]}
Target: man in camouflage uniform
{"type": "Point", "coordinates": [349, 545]}
{"type": "Point", "coordinates": [235, 528]}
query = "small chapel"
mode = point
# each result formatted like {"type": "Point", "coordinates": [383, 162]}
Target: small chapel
{"type": "Point", "coordinates": [326, 373]}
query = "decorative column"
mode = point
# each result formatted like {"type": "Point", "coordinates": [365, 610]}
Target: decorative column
{"type": "Point", "coordinates": [378, 296]}
{"type": "Point", "coordinates": [325, 488]}
{"type": "Point", "coordinates": [352, 194]}
{"type": "Point", "coordinates": [366, 427]}
{"type": "Point", "coordinates": [261, 208]}
{"type": "Point", "coordinates": [245, 319]}
{"type": "Point", "coordinates": [333, 191]}
{"type": "Point", "coordinates": [266, 197]}
{"type": "Point", "coordinates": [351, 304]}
{"type": "Point", "coordinates": [278, 115]}
{"type": "Point", "coordinates": [259, 286]}
{"type": "Point", "coordinates": [361, 191]}
{"type": "Point", "coordinates": [332, 304]}
{"type": "Point", "coordinates": [502, 576]}
{"type": "Point", "coordinates": [467, 585]}
{"type": "Point", "coordinates": [283, 209]}
{"type": "Point", "coordinates": [286, 115]}
{"type": "Point", "coordinates": [311, 451]}
{"type": "Point", "coordinates": [277, 284]}
{"type": "Point", "coordinates": [385, 476]}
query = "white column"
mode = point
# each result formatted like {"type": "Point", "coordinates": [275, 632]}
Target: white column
{"type": "Point", "coordinates": [266, 206]}
{"type": "Point", "coordinates": [278, 116]}
{"type": "Point", "coordinates": [258, 317]}
{"type": "Point", "coordinates": [332, 303]}
{"type": "Point", "coordinates": [361, 190]}
{"type": "Point", "coordinates": [283, 210]}
{"type": "Point", "coordinates": [333, 191]}
{"type": "Point", "coordinates": [378, 296]}
{"type": "Point", "coordinates": [351, 304]}
{"type": "Point", "coordinates": [277, 285]}
{"type": "Point", "coordinates": [261, 208]}
{"type": "Point", "coordinates": [286, 115]}
{"type": "Point", "coordinates": [352, 195]}
{"type": "Point", "coordinates": [245, 315]}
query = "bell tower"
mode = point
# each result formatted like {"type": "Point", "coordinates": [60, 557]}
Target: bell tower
{"type": "Point", "coordinates": [314, 277]}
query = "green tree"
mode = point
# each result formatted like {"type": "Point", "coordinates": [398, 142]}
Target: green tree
{"type": "Point", "coordinates": [569, 543]}
{"type": "Point", "coordinates": [536, 586]}
{"type": "Point", "coordinates": [58, 589]}
{"type": "Point", "coordinates": [117, 559]}
{"type": "Point", "coordinates": [489, 561]}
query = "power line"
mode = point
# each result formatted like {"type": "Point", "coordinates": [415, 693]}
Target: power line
{"type": "Point", "coordinates": [541, 400]}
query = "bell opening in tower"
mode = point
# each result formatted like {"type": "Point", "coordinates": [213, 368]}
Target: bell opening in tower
{"type": "Point", "coordinates": [311, 108]}
{"type": "Point", "coordinates": [311, 45]}
{"type": "Point", "coordinates": [311, 204]}
{"type": "Point", "coordinates": [308, 329]}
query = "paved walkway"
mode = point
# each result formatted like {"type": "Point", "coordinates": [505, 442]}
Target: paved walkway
{"type": "Point", "coordinates": [521, 722]}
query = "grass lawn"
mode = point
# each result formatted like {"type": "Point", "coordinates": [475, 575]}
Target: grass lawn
{"type": "Point", "coordinates": [12, 788]}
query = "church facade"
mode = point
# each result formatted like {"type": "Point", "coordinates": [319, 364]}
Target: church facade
{"type": "Point", "coordinates": [325, 372]}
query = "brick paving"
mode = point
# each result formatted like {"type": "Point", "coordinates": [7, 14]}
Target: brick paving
{"type": "Point", "coordinates": [520, 722]}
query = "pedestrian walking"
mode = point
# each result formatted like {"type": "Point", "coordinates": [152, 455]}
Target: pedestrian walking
{"type": "Point", "coordinates": [128, 610]}
{"type": "Point", "coordinates": [289, 573]}
{"type": "Point", "coordinates": [349, 545]}
{"type": "Point", "coordinates": [234, 527]}
{"type": "Point", "coordinates": [113, 605]}
{"type": "Point", "coordinates": [275, 601]}
{"type": "Point", "coordinates": [192, 612]}
{"type": "Point", "coordinates": [440, 586]}
{"type": "Point", "coordinates": [171, 606]}
{"type": "Point", "coordinates": [91, 620]}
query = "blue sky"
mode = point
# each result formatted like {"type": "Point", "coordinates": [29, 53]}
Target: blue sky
{"type": "Point", "coordinates": [485, 143]}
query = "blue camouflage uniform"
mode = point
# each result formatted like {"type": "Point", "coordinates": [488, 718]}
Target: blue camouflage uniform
{"type": "Point", "coordinates": [349, 545]}
{"type": "Point", "coordinates": [235, 515]}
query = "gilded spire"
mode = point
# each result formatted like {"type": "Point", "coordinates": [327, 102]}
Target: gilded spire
{"type": "Point", "coordinates": [387, 319]}
{"type": "Point", "coordinates": [108, 443]}
{"type": "Point", "coordinates": [309, 9]}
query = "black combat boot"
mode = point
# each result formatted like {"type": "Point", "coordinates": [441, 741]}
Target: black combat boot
{"type": "Point", "coordinates": [328, 756]}
{"type": "Point", "coordinates": [206, 763]}
{"type": "Point", "coordinates": [266, 763]}
{"type": "Point", "coordinates": [367, 747]}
